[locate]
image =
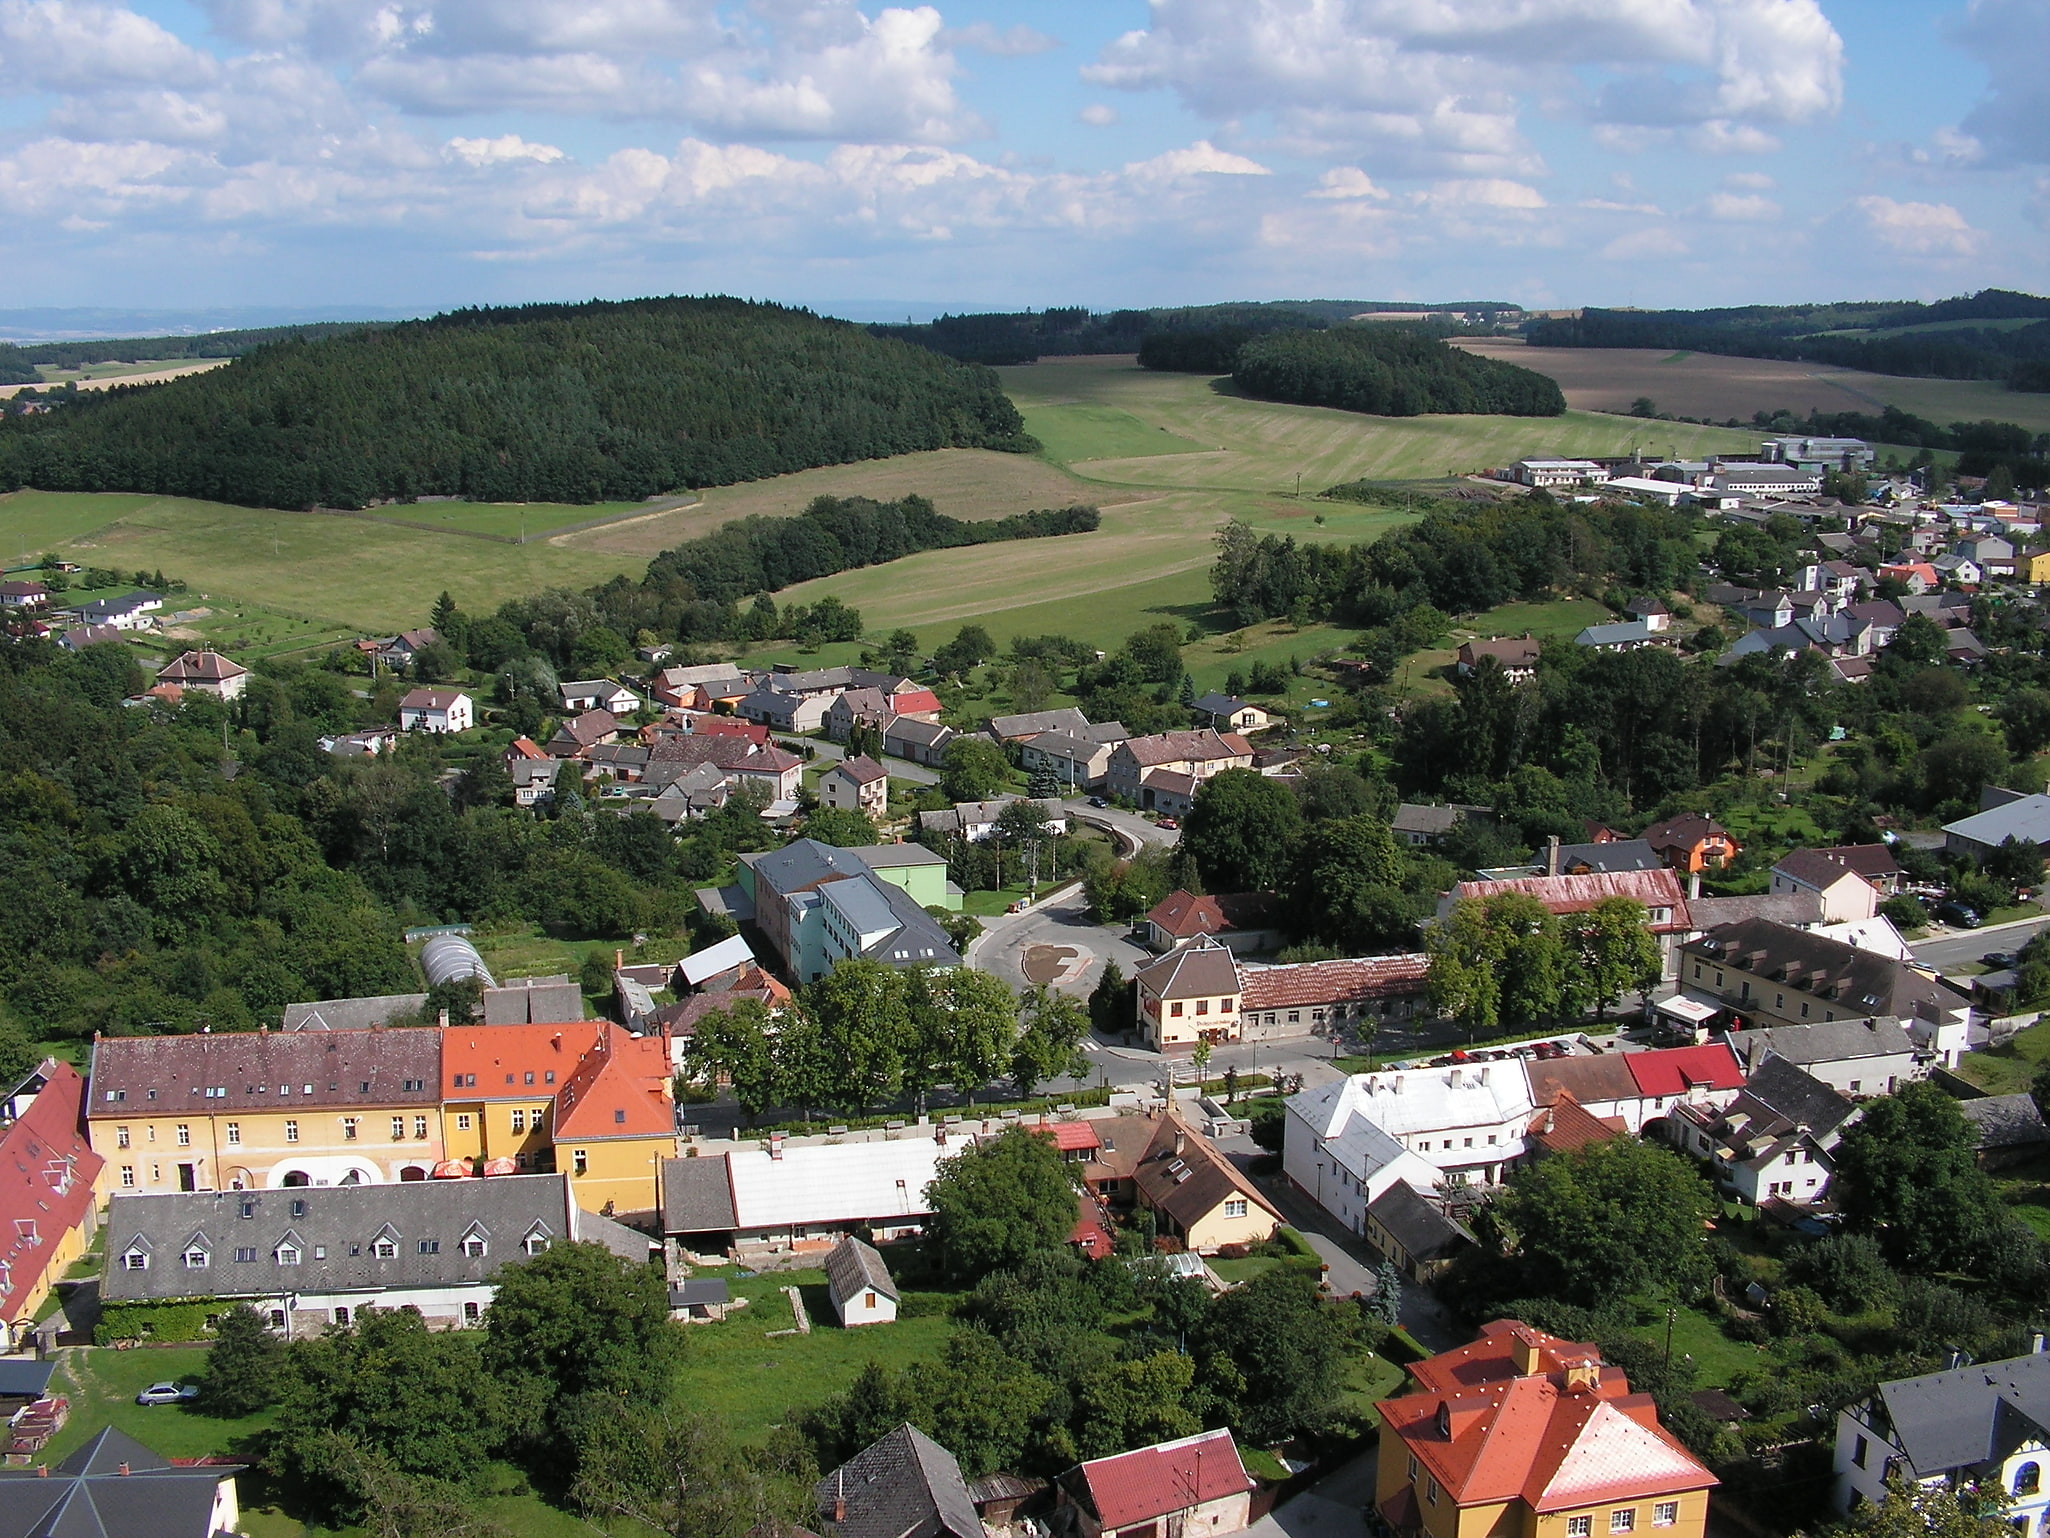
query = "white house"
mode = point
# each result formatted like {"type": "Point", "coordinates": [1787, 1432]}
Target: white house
{"type": "Point", "coordinates": [860, 1285]}
{"type": "Point", "coordinates": [1777, 1139]}
{"type": "Point", "coordinates": [781, 1196]}
{"type": "Point", "coordinates": [785, 711]}
{"type": "Point", "coordinates": [599, 694]}
{"type": "Point", "coordinates": [1341, 1160]}
{"type": "Point", "coordinates": [1466, 1121]}
{"type": "Point", "coordinates": [1987, 1423]}
{"type": "Point", "coordinates": [131, 611]}
{"type": "Point", "coordinates": [1549, 473]}
{"type": "Point", "coordinates": [1847, 897]}
{"type": "Point", "coordinates": [436, 710]}
{"type": "Point", "coordinates": [206, 672]}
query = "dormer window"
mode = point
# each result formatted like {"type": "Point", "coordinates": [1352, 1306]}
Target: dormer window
{"type": "Point", "coordinates": [475, 1244]}
{"type": "Point", "coordinates": [537, 1239]}
{"type": "Point", "coordinates": [384, 1247]}
{"type": "Point", "coordinates": [195, 1258]}
{"type": "Point", "coordinates": [287, 1254]}
{"type": "Point", "coordinates": [134, 1259]}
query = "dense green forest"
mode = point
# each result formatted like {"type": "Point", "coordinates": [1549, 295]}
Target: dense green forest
{"type": "Point", "coordinates": [549, 403]}
{"type": "Point", "coordinates": [1026, 336]}
{"type": "Point", "coordinates": [1395, 371]}
{"type": "Point", "coordinates": [763, 555]}
{"type": "Point", "coordinates": [1866, 336]}
{"type": "Point", "coordinates": [18, 362]}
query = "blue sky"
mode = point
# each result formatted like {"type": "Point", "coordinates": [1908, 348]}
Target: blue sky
{"type": "Point", "coordinates": [871, 158]}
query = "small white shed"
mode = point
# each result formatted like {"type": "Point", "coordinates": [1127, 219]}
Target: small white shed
{"type": "Point", "coordinates": [860, 1284]}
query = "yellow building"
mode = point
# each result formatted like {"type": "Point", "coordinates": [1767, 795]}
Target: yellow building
{"type": "Point", "coordinates": [615, 1122]}
{"type": "Point", "coordinates": [1202, 1198]}
{"type": "Point", "coordinates": [1524, 1435]}
{"type": "Point", "coordinates": [46, 1192]}
{"type": "Point", "coordinates": [248, 1111]}
{"type": "Point", "coordinates": [2035, 567]}
{"type": "Point", "coordinates": [498, 1086]}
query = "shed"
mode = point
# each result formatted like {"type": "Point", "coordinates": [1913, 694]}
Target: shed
{"type": "Point", "coordinates": [860, 1285]}
{"type": "Point", "coordinates": [700, 1299]}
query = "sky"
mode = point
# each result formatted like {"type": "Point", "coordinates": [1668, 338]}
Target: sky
{"type": "Point", "coordinates": [882, 160]}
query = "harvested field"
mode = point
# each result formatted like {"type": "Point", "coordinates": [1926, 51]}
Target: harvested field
{"type": "Point", "coordinates": [101, 376]}
{"type": "Point", "coordinates": [1699, 384]}
{"type": "Point", "coordinates": [962, 483]}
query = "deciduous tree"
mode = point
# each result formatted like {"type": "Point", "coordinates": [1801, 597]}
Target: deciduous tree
{"type": "Point", "coordinates": [997, 1202]}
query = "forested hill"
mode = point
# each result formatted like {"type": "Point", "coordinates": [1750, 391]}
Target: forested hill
{"type": "Point", "coordinates": [1993, 334]}
{"type": "Point", "coordinates": [545, 403]}
{"type": "Point", "coordinates": [1396, 371]}
{"type": "Point", "coordinates": [18, 360]}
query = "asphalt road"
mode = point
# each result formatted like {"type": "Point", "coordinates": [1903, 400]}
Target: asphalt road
{"type": "Point", "coordinates": [1131, 824]}
{"type": "Point", "coordinates": [1962, 948]}
{"type": "Point", "coordinates": [829, 753]}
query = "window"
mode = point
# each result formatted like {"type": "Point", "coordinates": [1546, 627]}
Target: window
{"type": "Point", "coordinates": [2028, 1479]}
{"type": "Point", "coordinates": [1412, 1467]}
{"type": "Point", "coordinates": [519, 1121]}
{"type": "Point", "coordinates": [234, 1132]}
{"type": "Point", "coordinates": [530, 1078]}
{"type": "Point", "coordinates": [398, 1129]}
{"type": "Point", "coordinates": [619, 1117]}
{"type": "Point", "coordinates": [1856, 1085]}
{"type": "Point", "coordinates": [536, 1243]}
{"type": "Point", "coordinates": [195, 1259]}
{"type": "Point", "coordinates": [548, 1076]}
{"type": "Point", "coordinates": [471, 1313]}
{"type": "Point", "coordinates": [1665, 1513]}
{"type": "Point", "coordinates": [277, 1319]}
{"type": "Point", "coordinates": [1579, 1527]}
{"type": "Point", "coordinates": [1202, 1006]}
{"type": "Point", "coordinates": [341, 1316]}
{"type": "Point", "coordinates": [385, 1249]}
{"type": "Point", "coordinates": [291, 1132]}
{"type": "Point", "coordinates": [120, 1137]}
{"type": "Point", "coordinates": [464, 1080]}
{"type": "Point", "coordinates": [419, 1126]}
{"type": "Point", "coordinates": [1235, 1208]}
{"type": "Point", "coordinates": [430, 1246]}
{"type": "Point", "coordinates": [474, 1246]}
{"type": "Point", "coordinates": [1430, 1490]}
{"type": "Point", "coordinates": [117, 1094]}
{"type": "Point", "coordinates": [348, 1129]}
{"type": "Point", "coordinates": [508, 1078]}
{"type": "Point", "coordinates": [128, 1175]}
{"type": "Point", "coordinates": [184, 1135]}
{"type": "Point", "coordinates": [1859, 1450]}
{"type": "Point", "coordinates": [1175, 1008]}
{"type": "Point", "coordinates": [287, 1254]}
{"type": "Point", "coordinates": [298, 1208]}
{"type": "Point", "coordinates": [245, 1256]}
{"type": "Point", "coordinates": [135, 1260]}
{"type": "Point", "coordinates": [579, 1164]}
{"type": "Point", "coordinates": [1623, 1520]}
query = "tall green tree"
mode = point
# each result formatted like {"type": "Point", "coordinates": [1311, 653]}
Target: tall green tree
{"type": "Point", "coordinates": [1050, 1044]}
{"type": "Point", "coordinates": [245, 1369]}
{"type": "Point", "coordinates": [859, 1025]}
{"type": "Point", "coordinates": [1907, 1175]}
{"type": "Point", "coordinates": [1275, 1354]}
{"type": "Point", "coordinates": [738, 1043]}
{"type": "Point", "coordinates": [997, 1202]}
{"type": "Point", "coordinates": [1242, 831]}
{"type": "Point", "coordinates": [1607, 1221]}
{"type": "Point", "coordinates": [974, 769]}
{"type": "Point", "coordinates": [1609, 951]}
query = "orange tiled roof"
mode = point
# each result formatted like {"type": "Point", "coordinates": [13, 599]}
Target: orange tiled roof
{"type": "Point", "coordinates": [620, 1090]}
{"type": "Point", "coordinates": [1566, 1125]}
{"type": "Point", "coordinates": [502, 1056]}
{"type": "Point", "coordinates": [1568, 1434]}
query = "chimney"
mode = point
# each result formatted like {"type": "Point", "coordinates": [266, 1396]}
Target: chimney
{"type": "Point", "coordinates": [1693, 884]}
{"type": "Point", "coordinates": [618, 959]}
{"type": "Point", "coordinates": [441, 1019]}
{"type": "Point", "coordinates": [1583, 1377]}
{"type": "Point", "coordinates": [1395, 1082]}
{"type": "Point", "coordinates": [1483, 1075]}
{"type": "Point", "coordinates": [43, 1469]}
{"type": "Point", "coordinates": [2036, 1344]}
{"type": "Point", "coordinates": [1180, 1138]}
{"type": "Point", "coordinates": [1523, 1350]}
{"type": "Point", "coordinates": [1552, 855]}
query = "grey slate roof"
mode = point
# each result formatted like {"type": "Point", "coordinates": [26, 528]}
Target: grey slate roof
{"type": "Point", "coordinates": [853, 1267]}
{"type": "Point", "coordinates": [697, 1196]}
{"type": "Point", "coordinates": [142, 1075]}
{"type": "Point", "coordinates": [1617, 854]}
{"type": "Point", "coordinates": [1969, 1415]}
{"type": "Point", "coordinates": [89, 1495]}
{"type": "Point", "coordinates": [1796, 909]}
{"type": "Point", "coordinates": [904, 1485]}
{"type": "Point", "coordinates": [2006, 1121]}
{"type": "Point", "coordinates": [1860, 983]}
{"type": "Point", "coordinates": [345, 1222]}
{"type": "Point", "coordinates": [802, 863]}
{"type": "Point", "coordinates": [1068, 719]}
{"type": "Point", "coordinates": [700, 1292]}
{"type": "Point", "coordinates": [2027, 818]}
{"type": "Point", "coordinates": [1828, 1041]}
{"type": "Point", "coordinates": [1417, 1225]}
{"type": "Point", "coordinates": [24, 1377]}
{"type": "Point", "coordinates": [355, 1014]}
{"type": "Point", "coordinates": [1797, 1097]}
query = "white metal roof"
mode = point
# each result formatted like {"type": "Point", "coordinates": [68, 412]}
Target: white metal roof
{"type": "Point", "coordinates": [835, 1182]}
{"type": "Point", "coordinates": [729, 953]}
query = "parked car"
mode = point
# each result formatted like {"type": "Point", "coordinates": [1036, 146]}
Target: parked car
{"type": "Point", "coordinates": [2000, 961]}
{"type": "Point", "coordinates": [1956, 914]}
{"type": "Point", "coordinates": [1169, 824]}
{"type": "Point", "coordinates": [1098, 802]}
{"type": "Point", "coordinates": [168, 1393]}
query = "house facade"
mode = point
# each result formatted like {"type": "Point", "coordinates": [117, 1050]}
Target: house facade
{"type": "Point", "coordinates": [1197, 1194]}
{"type": "Point", "coordinates": [1193, 1487]}
{"type": "Point", "coordinates": [1467, 1122]}
{"type": "Point", "coordinates": [1197, 754]}
{"type": "Point", "coordinates": [48, 1171]}
{"type": "Point", "coordinates": [860, 1285]}
{"type": "Point", "coordinates": [857, 784]}
{"type": "Point", "coordinates": [1773, 975]}
{"type": "Point", "coordinates": [206, 672]}
{"type": "Point", "coordinates": [437, 710]}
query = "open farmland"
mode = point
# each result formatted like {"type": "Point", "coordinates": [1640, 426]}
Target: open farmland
{"type": "Point", "coordinates": [101, 376]}
{"type": "Point", "coordinates": [1701, 384]}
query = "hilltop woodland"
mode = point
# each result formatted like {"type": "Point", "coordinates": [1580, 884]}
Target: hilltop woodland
{"type": "Point", "coordinates": [18, 361]}
{"type": "Point", "coordinates": [1852, 335]}
{"type": "Point", "coordinates": [543, 403]}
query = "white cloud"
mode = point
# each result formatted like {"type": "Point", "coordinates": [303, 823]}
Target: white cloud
{"type": "Point", "coordinates": [1645, 244]}
{"type": "Point", "coordinates": [1098, 114]}
{"type": "Point", "coordinates": [2011, 121]}
{"type": "Point", "coordinates": [1486, 192]}
{"type": "Point", "coordinates": [1014, 42]}
{"type": "Point", "coordinates": [1742, 208]}
{"type": "Point", "coordinates": [55, 45]}
{"type": "Point", "coordinates": [1919, 229]}
{"type": "Point", "coordinates": [1749, 181]}
{"type": "Point", "coordinates": [1200, 159]}
{"type": "Point", "coordinates": [1436, 83]}
{"type": "Point", "coordinates": [505, 149]}
{"type": "Point", "coordinates": [1347, 182]}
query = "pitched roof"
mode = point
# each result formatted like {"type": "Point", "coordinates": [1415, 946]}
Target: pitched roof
{"type": "Point", "coordinates": [161, 1075]}
{"type": "Point", "coordinates": [1824, 868]}
{"type": "Point", "coordinates": [431, 699]}
{"type": "Point", "coordinates": [1795, 909]}
{"type": "Point", "coordinates": [334, 1228]}
{"type": "Point", "coordinates": [911, 729]}
{"type": "Point", "coordinates": [1191, 1181]}
{"type": "Point", "coordinates": [1616, 854]}
{"type": "Point", "coordinates": [1566, 1126]}
{"type": "Point", "coordinates": [1157, 1481]}
{"type": "Point", "coordinates": [1418, 1224]}
{"type": "Point", "coordinates": [1201, 968]}
{"type": "Point", "coordinates": [200, 667]}
{"type": "Point", "coordinates": [1032, 722]}
{"type": "Point", "coordinates": [354, 1014]}
{"type": "Point", "coordinates": [1684, 831]}
{"type": "Point", "coordinates": [905, 1485]}
{"type": "Point", "coordinates": [806, 1183]}
{"type": "Point", "coordinates": [1864, 982]}
{"type": "Point", "coordinates": [697, 1196]}
{"type": "Point", "coordinates": [729, 752]}
{"type": "Point", "coordinates": [2026, 818]}
{"type": "Point", "coordinates": [1824, 1041]}
{"type": "Point", "coordinates": [1216, 704]}
{"type": "Point", "coordinates": [513, 1062]}
{"type": "Point", "coordinates": [1306, 984]}
{"type": "Point", "coordinates": [1969, 1415]}
{"type": "Point", "coordinates": [861, 769]}
{"type": "Point", "coordinates": [1576, 894]}
{"type": "Point", "coordinates": [1185, 916]}
{"type": "Point", "coordinates": [47, 1170]}
{"type": "Point", "coordinates": [111, 1487]}
{"type": "Point", "coordinates": [589, 728]}
{"type": "Point", "coordinates": [2006, 1121]}
{"type": "Point", "coordinates": [620, 1090]}
{"type": "Point", "coordinates": [853, 1267]}
{"type": "Point", "coordinates": [1793, 1097]}
{"type": "Point", "coordinates": [1403, 1101]}
{"type": "Point", "coordinates": [1411, 817]}
{"type": "Point", "coordinates": [1201, 746]}
{"type": "Point", "coordinates": [1676, 1070]}
{"type": "Point", "coordinates": [1590, 1080]}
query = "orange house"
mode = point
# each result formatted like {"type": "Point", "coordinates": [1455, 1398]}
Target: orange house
{"type": "Point", "coordinates": [1692, 842]}
{"type": "Point", "coordinates": [1524, 1435]}
{"type": "Point", "coordinates": [615, 1123]}
{"type": "Point", "coordinates": [498, 1088]}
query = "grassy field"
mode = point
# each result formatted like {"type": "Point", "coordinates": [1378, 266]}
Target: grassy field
{"type": "Point", "coordinates": [1700, 384]}
{"type": "Point", "coordinates": [2011, 1067]}
{"type": "Point", "coordinates": [752, 1380]}
{"type": "Point", "coordinates": [102, 1385]}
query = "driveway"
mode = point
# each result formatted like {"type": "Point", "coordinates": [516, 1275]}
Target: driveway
{"type": "Point", "coordinates": [1331, 1508]}
{"type": "Point", "coordinates": [1135, 828]}
{"type": "Point", "coordinates": [1056, 943]}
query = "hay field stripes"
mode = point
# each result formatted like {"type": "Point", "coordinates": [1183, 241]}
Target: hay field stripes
{"type": "Point", "coordinates": [1710, 385]}
{"type": "Point", "coordinates": [106, 376]}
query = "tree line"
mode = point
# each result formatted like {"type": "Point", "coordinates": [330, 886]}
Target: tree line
{"type": "Point", "coordinates": [549, 403]}
{"type": "Point", "coordinates": [1808, 334]}
{"type": "Point", "coordinates": [1389, 370]}
{"type": "Point", "coordinates": [18, 360]}
{"type": "Point", "coordinates": [835, 534]}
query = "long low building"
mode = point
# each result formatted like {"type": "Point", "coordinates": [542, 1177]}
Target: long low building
{"type": "Point", "coordinates": [784, 1196]}
{"type": "Point", "coordinates": [313, 1256]}
{"type": "Point", "coordinates": [1200, 992]}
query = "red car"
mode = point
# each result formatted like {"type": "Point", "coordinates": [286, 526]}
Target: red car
{"type": "Point", "coordinates": [1168, 823]}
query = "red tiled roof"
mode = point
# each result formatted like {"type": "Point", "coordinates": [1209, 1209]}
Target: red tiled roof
{"type": "Point", "coordinates": [1185, 916]}
{"type": "Point", "coordinates": [1576, 894]}
{"type": "Point", "coordinates": [1566, 1125]}
{"type": "Point", "coordinates": [501, 1056]}
{"type": "Point", "coordinates": [1167, 1477]}
{"type": "Point", "coordinates": [1677, 1069]}
{"type": "Point", "coordinates": [1330, 982]}
{"type": "Point", "coordinates": [621, 1090]}
{"type": "Point", "coordinates": [1176, 747]}
{"type": "Point", "coordinates": [523, 747]}
{"type": "Point", "coordinates": [200, 667]}
{"type": "Point", "coordinates": [731, 726]}
{"type": "Point", "coordinates": [47, 1170]}
{"type": "Point", "coordinates": [1070, 1135]}
{"type": "Point", "coordinates": [913, 702]}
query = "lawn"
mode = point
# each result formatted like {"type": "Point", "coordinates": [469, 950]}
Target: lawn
{"type": "Point", "coordinates": [528, 951]}
{"type": "Point", "coordinates": [1367, 1379]}
{"type": "Point", "coordinates": [2009, 1068]}
{"type": "Point", "coordinates": [1717, 1358]}
{"type": "Point", "coordinates": [736, 1371]}
{"type": "Point", "coordinates": [102, 1385]}
{"type": "Point", "coordinates": [1559, 620]}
